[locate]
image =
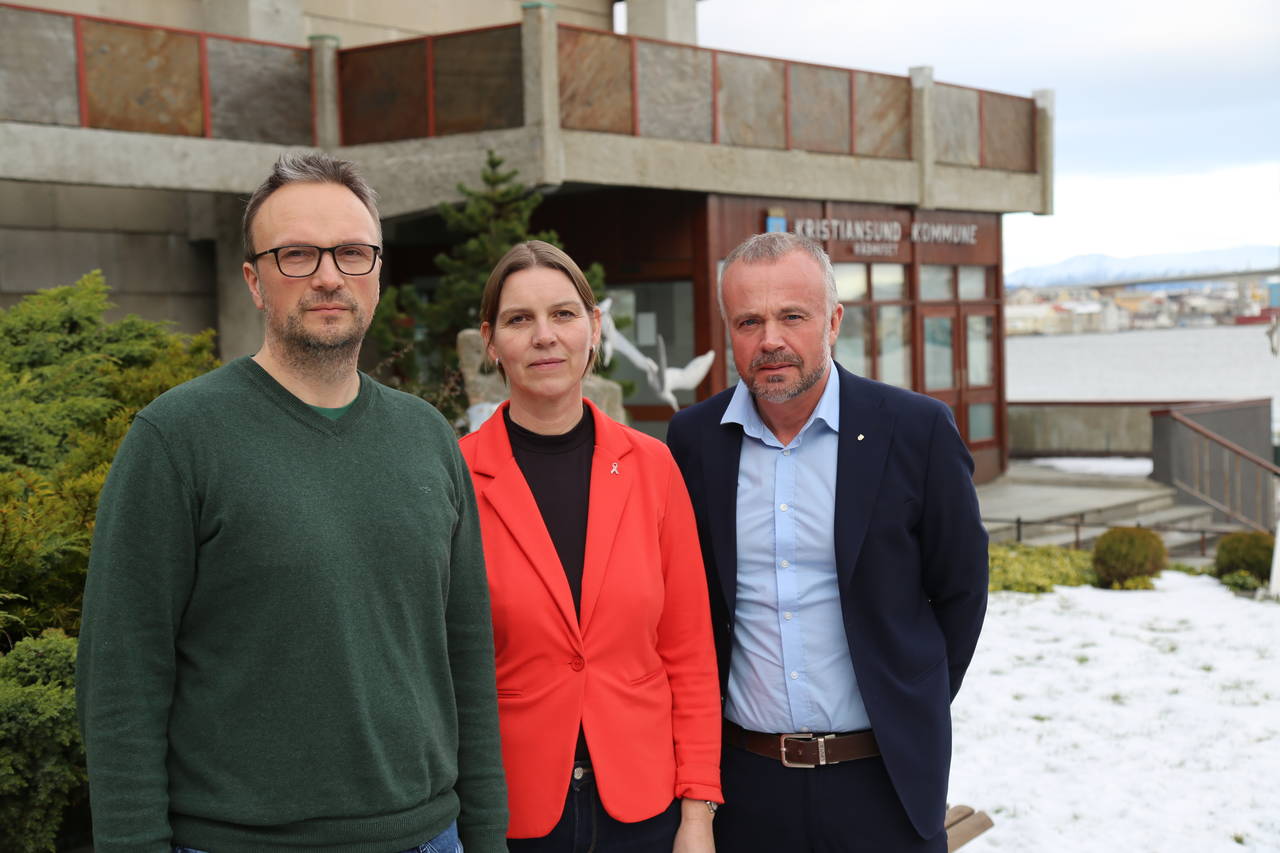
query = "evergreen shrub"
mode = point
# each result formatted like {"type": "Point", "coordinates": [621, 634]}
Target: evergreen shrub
{"type": "Point", "coordinates": [1240, 581]}
{"type": "Point", "coordinates": [1037, 568]}
{"type": "Point", "coordinates": [1128, 557]}
{"type": "Point", "coordinates": [70, 384]}
{"type": "Point", "coordinates": [42, 770]}
{"type": "Point", "coordinates": [1245, 552]}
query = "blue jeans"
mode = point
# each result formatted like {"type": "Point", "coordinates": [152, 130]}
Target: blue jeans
{"type": "Point", "coordinates": [445, 842]}
{"type": "Point", "coordinates": [585, 827]}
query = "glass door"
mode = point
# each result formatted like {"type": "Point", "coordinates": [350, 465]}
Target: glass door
{"type": "Point", "coordinates": [958, 349]}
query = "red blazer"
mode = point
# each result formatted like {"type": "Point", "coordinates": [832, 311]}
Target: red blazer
{"type": "Point", "coordinates": [638, 671]}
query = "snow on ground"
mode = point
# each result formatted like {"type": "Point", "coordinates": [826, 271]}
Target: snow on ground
{"type": "Point", "coordinates": [1114, 466]}
{"type": "Point", "coordinates": [1098, 721]}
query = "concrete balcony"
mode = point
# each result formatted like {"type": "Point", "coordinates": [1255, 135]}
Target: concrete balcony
{"type": "Point", "coordinates": [95, 102]}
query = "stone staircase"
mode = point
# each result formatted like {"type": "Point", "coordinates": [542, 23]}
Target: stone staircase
{"type": "Point", "coordinates": [1072, 510]}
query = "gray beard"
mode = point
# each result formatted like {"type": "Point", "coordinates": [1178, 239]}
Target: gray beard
{"type": "Point", "coordinates": [762, 391]}
{"type": "Point", "coordinates": [782, 395]}
{"type": "Point", "coordinates": [307, 354]}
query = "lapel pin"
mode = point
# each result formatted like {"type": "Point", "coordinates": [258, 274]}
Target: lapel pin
{"type": "Point", "coordinates": [861, 436]}
{"type": "Point", "coordinates": [614, 469]}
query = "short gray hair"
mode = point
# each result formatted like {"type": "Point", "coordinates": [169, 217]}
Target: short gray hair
{"type": "Point", "coordinates": [771, 247]}
{"type": "Point", "coordinates": [308, 167]}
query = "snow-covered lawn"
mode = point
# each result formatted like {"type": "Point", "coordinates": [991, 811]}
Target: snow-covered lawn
{"type": "Point", "coordinates": [1119, 722]}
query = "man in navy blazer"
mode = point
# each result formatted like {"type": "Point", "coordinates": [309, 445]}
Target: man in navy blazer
{"type": "Point", "coordinates": [847, 566]}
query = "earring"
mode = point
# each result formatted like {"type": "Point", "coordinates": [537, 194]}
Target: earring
{"type": "Point", "coordinates": [496, 360]}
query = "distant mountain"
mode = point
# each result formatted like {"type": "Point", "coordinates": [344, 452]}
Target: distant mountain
{"type": "Point", "coordinates": [1087, 269]}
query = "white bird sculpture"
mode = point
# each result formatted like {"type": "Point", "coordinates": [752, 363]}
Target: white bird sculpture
{"type": "Point", "coordinates": [611, 339]}
{"type": "Point", "coordinates": [679, 378]}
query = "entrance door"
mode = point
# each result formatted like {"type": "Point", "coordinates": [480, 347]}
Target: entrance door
{"type": "Point", "coordinates": [959, 365]}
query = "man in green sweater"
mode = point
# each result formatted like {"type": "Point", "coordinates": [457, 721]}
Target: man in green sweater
{"type": "Point", "coordinates": [286, 641]}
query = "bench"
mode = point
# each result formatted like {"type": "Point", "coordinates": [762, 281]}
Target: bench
{"type": "Point", "coordinates": [963, 824]}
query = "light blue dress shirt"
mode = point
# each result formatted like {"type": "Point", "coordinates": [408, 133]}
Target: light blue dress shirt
{"type": "Point", "coordinates": [790, 670]}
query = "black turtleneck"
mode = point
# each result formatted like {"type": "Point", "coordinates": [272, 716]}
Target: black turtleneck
{"type": "Point", "coordinates": [558, 471]}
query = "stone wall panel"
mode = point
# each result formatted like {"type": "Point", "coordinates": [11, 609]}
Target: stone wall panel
{"type": "Point", "coordinates": [882, 124]}
{"type": "Point", "coordinates": [955, 125]}
{"type": "Point", "coordinates": [478, 81]}
{"type": "Point", "coordinates": [260, 92]}
{"type": "Point", "coordinates": [383, 92]}
{"type": "Point", "coordinates": [595, 81]}
{"type": "Point", "coordinates": [819, 106]}
{"type": "Point", "coordinates": [38, 68]}
{"type": "Point", "coordinates": [142, 79]}
{"type": "Point", "coordinates": [674, 90]}
{"type": "Point", "coordinates": [1008, 132]}
{"type": "Point", "coordinates": [749, 102]}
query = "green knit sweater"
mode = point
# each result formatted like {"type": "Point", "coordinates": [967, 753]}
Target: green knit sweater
{"type": "Point", "coordinates": [286, 641]}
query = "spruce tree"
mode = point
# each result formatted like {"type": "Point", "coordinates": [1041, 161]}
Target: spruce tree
{"type": "Point", "coordinates": [417, 336]}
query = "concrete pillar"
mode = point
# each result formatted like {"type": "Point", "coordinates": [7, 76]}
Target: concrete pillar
{"type": "Point", "coordinates": [669, 20]}
{"type": "Point", "coordinates": [1044, 147]}
{"type": "Point", "coordinates": [539, 47]}
{"type": "Point", "coordinates": [268, 20]}
{"type": "Point", "coordinates": [240, 326]}
{"type": "Point", "coordinates": [922, 142]}
{"type": "Point", "coordinates": [324, 88]}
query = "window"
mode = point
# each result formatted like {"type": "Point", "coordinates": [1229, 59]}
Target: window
{"type": "Point", "coordinates": [935, 283]}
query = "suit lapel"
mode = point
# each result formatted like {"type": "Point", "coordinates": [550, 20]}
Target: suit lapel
{"type": "Point", "coordinates": [866, 432]}
{"type": "Point", "coordinates": [613, 475]}
{"type": "Point", "coordinates": [512, 501]}
{"type": "Point", "coordinates": [721, 450]}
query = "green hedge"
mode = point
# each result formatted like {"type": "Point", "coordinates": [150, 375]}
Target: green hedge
{"type": "Point", "coordinates": [70, 384]}
{"type": "Point", "coordinates": [41, 758]}
{"type": "Point", "coordinates": [1038, 568]}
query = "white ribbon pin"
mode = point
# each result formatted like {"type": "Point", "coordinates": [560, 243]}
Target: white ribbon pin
{"type": "Point", "coordinates": [614, 469]}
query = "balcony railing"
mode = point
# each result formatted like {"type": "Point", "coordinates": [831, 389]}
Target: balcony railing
{"type": "Point", "coordinates": [87, 71]}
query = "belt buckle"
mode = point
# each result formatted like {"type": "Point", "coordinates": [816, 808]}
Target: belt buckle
{"type": "Point", "coordinates": [805, 736]}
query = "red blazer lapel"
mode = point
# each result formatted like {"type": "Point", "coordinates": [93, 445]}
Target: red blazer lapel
{"type": "Point", "coordinates": [612, 478]}
{"type": "Point", "coordinates": [507, 494]}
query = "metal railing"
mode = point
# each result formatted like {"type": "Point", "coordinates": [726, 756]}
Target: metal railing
{"type": "Point", "coordinates": [1237, 483]}
{"type": "Point", "coordinates": [1079, 525]}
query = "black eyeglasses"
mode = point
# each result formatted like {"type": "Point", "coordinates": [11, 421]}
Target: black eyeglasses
{"type": "Point", "coordinates": [303, 261]}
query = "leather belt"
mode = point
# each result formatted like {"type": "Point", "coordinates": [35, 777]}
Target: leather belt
{"type": "Point", "coordinates": [803, 749]}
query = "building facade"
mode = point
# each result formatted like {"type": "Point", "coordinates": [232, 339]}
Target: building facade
{"type": "Point", "coordinates": [129, 145]}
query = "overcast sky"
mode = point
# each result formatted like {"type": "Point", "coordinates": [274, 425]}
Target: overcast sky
{"type": "Point", "coordinates": [1167, 111]}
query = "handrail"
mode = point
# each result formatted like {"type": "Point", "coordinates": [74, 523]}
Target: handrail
{"type": "Point", "coordinates": [1226, 443]}
{"type": "Point", "coordinates": [1078, 525]}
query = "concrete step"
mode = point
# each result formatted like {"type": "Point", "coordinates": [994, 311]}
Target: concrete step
{"type": "Point", "coordinates": [1186, 539]}
{"type": "Point", "coordinates": [1093, 506]}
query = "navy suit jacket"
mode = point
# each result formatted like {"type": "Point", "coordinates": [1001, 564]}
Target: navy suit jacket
{"type": "Point", "coordinates": [911, 554]}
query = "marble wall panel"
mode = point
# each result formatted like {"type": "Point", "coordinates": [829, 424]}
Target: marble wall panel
{"type": "Point", "coordinates": [260, 92]}
{"type": "Point", "coordinates": [674, 90]}
{"type": "Point", "coordinates": [38, 68]}
{"type": "Point", "coordinates": [1008, 132]}
{"type": "Point", "coordinates": [819, 105]}
{"type": "Point", "coordinates": [478, 81]}
{"type": "Point", "coordinates": [750, 101]}
{"type": "Point", "coordinates": [142, 79]}
{"type": "Point", "coordinates": [955, 125]}
{"type": "Point", "coordinates": [383, 92]}
{"type": "Point", "coordinates": [595, 81]}
{"type": "Point", "coordinates": [882, 121]}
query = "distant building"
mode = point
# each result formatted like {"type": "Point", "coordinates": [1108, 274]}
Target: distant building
{"type": "Point", "coordinates": [129, 145]}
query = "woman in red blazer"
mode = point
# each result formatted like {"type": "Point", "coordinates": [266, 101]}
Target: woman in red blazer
{"type": "Point", "coordinates": [608, 696]}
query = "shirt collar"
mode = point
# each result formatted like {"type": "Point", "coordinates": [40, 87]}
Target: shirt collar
{"type": "Point", "coordinates": [742, 408]}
